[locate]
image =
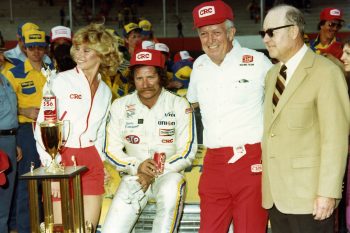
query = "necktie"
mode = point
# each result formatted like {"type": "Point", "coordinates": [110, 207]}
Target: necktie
{"type": "Point", "coordinates": [280, 85]}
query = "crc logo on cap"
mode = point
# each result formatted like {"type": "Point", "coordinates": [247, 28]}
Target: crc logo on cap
{"type": "Point", "coordinates": [335, 12]}
{"type": "Point", "coordinates": [143, 56]}
{"type": "Point", "coordinates": [34, 36]}
{"type": "Point", "coordinates": [206, 11]}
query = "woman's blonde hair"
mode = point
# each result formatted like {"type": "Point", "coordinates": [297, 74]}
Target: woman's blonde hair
{"type": "Point", "coordinates": [97, 38]}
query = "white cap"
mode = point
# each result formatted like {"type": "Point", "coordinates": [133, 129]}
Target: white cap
{"type": "Point", "coordinates": [161, 47]}
{"type": "Point", "coordinates": [185, 55]}
{"type": "Point", "coordinates": [59, 32]}
{"type": "Point", "coordinates": [146, 44]}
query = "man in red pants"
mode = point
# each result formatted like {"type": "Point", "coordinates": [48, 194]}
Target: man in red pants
{"type": "Point", "coordinates": [227, 83]}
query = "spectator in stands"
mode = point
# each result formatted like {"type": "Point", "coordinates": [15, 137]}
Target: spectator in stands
{"type": "Point", "coordinates": [305, 94]}
{"type": "Point", "coordinates": [120, 18]}
{"type": "Point", "coordinates": [146, 31]}
{"type": "Point", "coordinates": [95, 52]}
{"type": "Point", "coordinates": [59, 35]}
{"type": "Point", "coordinates": [182, 69]}
{"type": "Point", "coordinates": [179, 28]}
{"type": "Point", "coordinates": [164, 49]}
{"type": "Point", "coordinates": [62, 58]}
{"type": "Point", "coordinates": [132, 35]}
{"type": "Point", "coordinates": [28, 81]}
{"type": "Point", "coordinates": [254, 11]}
{"type": "Point", "coordinates": [2, 41]}
{"type": "Point", "coordinates": [118, 83]}
{"type": "Point", "coordinates": [60, 44]}
{"type": "Point", "coordinates": [126, 13]}
{"type": "Point", "coordinates": [331, 21]}
{"type": "Point", "coordinates": [149, 121]}
{"type": "Point", "coordinates": [227, 82]}
{"type": "Point", "coordinates": [17, 55]}
{"type": "Point", "coordinates": [62, 16]}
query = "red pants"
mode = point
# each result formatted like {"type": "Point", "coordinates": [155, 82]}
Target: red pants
{"type": "Point", "coordinates": [231, 192]}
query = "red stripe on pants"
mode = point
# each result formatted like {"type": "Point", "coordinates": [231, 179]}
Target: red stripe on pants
{"type": "Point", "coordinates": [231, 192]}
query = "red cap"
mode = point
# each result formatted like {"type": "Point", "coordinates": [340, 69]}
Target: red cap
{"type": "Point", "coordinates": [331, 14]}
{"type": "Point", "coordinates": [4, 165]}
{"type": "Point", "coordinates": [147, 57]}
{"type": "Point", "coordinates": [213, 12]}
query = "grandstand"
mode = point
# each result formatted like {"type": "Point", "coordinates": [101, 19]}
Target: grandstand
{"type": "Point", "coordinates": [48, 16]}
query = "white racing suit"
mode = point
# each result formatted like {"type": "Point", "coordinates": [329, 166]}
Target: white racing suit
{"type": "Point", "coordinates": [167, 127]}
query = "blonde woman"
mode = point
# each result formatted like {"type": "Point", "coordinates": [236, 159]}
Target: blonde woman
{"type": "Point", "coordinates": [84, 99]}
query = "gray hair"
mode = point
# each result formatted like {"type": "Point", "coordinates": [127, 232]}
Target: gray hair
{"type": "Point", "coordinates": [228, 24]}
{"type": "Point", "coordinates": [293, 16]}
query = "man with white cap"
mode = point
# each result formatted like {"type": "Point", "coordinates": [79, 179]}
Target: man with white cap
{"type": "Point", "coordinates": [149, 122]}
{"type": "Point", "coordinates": [331, 21]}
{"type": "Point", "coordinates": [228, 84]}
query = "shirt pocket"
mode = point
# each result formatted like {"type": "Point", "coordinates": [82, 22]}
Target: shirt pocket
{"type": "Point", "coordinates": [242, 89]}
{"type": "Point", "coordinates": [28, 90]}
{"type": "Point", "coordinates": [3, 98]}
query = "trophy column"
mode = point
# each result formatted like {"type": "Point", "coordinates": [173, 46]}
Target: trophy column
{"type": "Point", "coordinates": [72, 205]}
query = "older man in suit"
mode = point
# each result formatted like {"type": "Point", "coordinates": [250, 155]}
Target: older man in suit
{"type": "Point", "coordinates": [306, 124]}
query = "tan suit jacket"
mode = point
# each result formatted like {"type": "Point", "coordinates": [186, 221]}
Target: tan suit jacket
{"type": "Point", "coordinates": [305, 139]}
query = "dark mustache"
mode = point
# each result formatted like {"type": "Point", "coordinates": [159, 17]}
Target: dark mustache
{"type": "Point", "coordinates": [146, 89]}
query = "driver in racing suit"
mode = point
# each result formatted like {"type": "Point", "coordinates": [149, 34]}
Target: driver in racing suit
{"type": "Point", "coordinates": [144, 122]}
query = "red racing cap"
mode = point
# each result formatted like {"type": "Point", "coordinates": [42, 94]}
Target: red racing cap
{"type": "Point", "coordinates": [213, 12]}
{"type": "Point", "coordinates": [330, 13]}
{"type": "Point", "coordinates": [147, 57]}
{"type": "Point", "coordinates": [4, 165]}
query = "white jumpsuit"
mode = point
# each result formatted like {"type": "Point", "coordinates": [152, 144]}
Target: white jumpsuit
{"type": "Point", "coordinates": [87, 114]}
{"type": "Point", "coordinates": [167, 127]}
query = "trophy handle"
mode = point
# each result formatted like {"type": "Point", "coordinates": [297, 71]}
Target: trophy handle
{"type": "Point", "coordinates": [65, 132]}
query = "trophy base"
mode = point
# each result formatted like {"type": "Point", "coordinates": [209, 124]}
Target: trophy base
{"type": "Point", "coordinates": [54, 167]}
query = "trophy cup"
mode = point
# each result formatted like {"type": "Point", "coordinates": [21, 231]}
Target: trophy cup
{"type": "Point", "coordinates": [53, 131]}
{"type": "Point", "coordinates": [54, 135]}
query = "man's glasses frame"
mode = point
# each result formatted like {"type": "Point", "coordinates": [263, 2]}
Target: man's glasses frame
{"type": "Point", "coordinates": [335, 25]}
{"type": "Point", "coordinates": [269, 31]}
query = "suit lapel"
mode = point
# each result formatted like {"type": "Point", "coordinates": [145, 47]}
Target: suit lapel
{"type": "Point", "coordinates": [269, 90]}
{"type": "Point", "coordinates": [298, 77]}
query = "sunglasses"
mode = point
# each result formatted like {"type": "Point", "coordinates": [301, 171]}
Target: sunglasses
{"type": "Point", "coordinates": [335, 25]}
{"type": "Point", "coordinates": [269, 31]}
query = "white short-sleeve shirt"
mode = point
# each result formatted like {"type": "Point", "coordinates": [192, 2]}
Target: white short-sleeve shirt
{"type": "Point", "coordinates": [230, 96]}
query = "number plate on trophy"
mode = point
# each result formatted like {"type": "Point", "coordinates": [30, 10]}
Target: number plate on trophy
{"type": "Point", "coordinates": [49, 106]}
